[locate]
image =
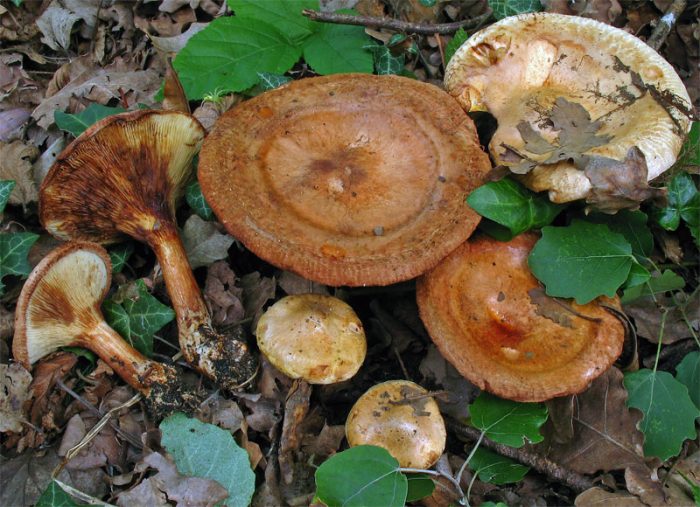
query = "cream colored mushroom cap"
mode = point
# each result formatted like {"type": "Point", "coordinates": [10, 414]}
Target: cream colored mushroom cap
{"type": "Point", "coordinates": [313, 337]}
{"type": "Point", "coordinates": [516, 69]}
{"type": "Point", "coordinates": [399, 416]}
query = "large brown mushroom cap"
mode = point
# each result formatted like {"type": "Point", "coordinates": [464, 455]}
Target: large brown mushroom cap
{"type": "Point", "coordinates": [518, 68]}
{"type": "Point", "coordinates": [491, 319]}
{"type": "Point", "coordinates": [346, 179]}
{"type": "Point", "coordinates": [401, 417]}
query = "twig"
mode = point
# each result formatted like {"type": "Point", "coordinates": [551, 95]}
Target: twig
{"type": "Point", "coordinates": [663, 28]}
{"type": "Point", "coordinates": [575, 481]}
{"type": "Point", "coordinates": [397, 24]}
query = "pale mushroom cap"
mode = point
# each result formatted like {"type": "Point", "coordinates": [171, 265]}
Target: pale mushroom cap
{"type": "Point", "coordinates": [313, 337]}
{"type": "Point", "coordinates": [402, 418]}
{"type": "Point", "coordinates": [60, 300]}
{"type": "Point", "coordinates": [120, 176]}
{"type": "Point", "coordinates": [517, 68]}
{"type": "Point", "coordinates": [346, 179]}
{"type": "Point", "coordinates": [492, 320]}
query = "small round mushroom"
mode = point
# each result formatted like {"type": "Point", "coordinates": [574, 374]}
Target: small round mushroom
{"type": "Point", "coordinates": [59, 306]}
{"type": "Point", "coordinates": [313, 337]}
{"type": "Point", "coordinates": [348, 179]}
{"type": "Point", "coordinates": [124, 176]}
{"type": "Point", "coordinates": [492, 320]}
{"type": "Point", "coordinates": [401, 417]}
{"type": "Point", "coordinates": [542, 74]}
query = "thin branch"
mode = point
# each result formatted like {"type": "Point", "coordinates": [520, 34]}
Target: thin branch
{"type": "Point", "coordinates": [397, 24]}
{"type": "Point", "coordinates": [663, 28]}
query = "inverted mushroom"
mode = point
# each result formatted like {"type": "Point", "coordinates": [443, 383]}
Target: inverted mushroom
{"type": "Point", "coordinates": [578, 103]}
{"type": "Point", "coordinates": [123, 176]}
{"type": "Point", "coordinates": [490, 318]}
{"type": "Point", "coordinates": [347, 179]}
{"type": "Point", "coordinates": [401, 417]}
{"type": "Point", "coordinates": [59, 306]}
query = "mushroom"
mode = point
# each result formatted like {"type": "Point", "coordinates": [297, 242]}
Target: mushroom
{"type": "Point", "coordinates": [347, 179]}
{"type": "Point", "coordinates": [59, 306]}
{"type": "Point", "coordinates": [577, 102]}
{"type": "Point", "coordinates": [401, 417]}
{"type": "Point", "coordinates": [490, 318]}
{"type": "Point", "coordinates": [123, 176]}
{"type": "Point", "coordinates": [312, 337]}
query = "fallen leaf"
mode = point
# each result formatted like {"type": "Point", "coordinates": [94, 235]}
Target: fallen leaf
{"type": "Point", "coordinates": [605, 11]}
{"type": "Point", "coordinates": [174, 98]}
{"type": "Point", "coordinates": [14, 392]}
{"type": "Point", "coordinates": [257, 290]}
{"type": "Point", "coordinates": [647, 316]}
{"type": "Point", "coordinates": [295, 410]}
{"type": "Point", "coordinates": [173, 45]}
{"type": "Point", "coordinates": [16, 164]}
{"type": "Point", "coordinates": [12, 123]}
{"type": "Point", "coordinates": [598, 497]}
{"type": "Point", "coordinates": [291, 283]}
{"type": "Point", "coordinates": [222, 295]}
{"type": "Point", "coordinates": [326, 443]}
{"type": "Point", "coordinates": [203, 242]}
{"type": "Point", "coordinates": [46, 373]}
{"type": "Point", "coordinates": [56, 24]}
{"type": "Point", "coordinates": [102, 450]}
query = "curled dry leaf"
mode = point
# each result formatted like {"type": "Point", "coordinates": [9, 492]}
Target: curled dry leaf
{"type": "Point", "coordinates": [12, 123]}
{"type": "Point", "coordinates": [102, 450]}
{"type": "Point", "coordinates": [598, 497]}
{"type": "Point", "coordinates": [203, 242]}
{"type": "Point", "coordinates": [222, 295]}
{"type": "Point", "coordinates": [605, 11]}
{"type": "Point", "coordinates": [647, 317]}
{"type": "Point", "coordinates": [257, 290]}
{"type": "Point", "coordinates": [14, 392]}
{"type": "Point", "coordinates": [16, 164]}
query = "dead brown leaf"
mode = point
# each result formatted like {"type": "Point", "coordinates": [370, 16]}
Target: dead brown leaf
{"type": "Point", "coordinates": [12, 123]}
{"type": "Point", "coordinates": [295, 410]}
{"type": "Point", "coordinates": [16, 164]}
{"type": "Point", "coordinates": [598, 497]}
{"type": "Point", "coordinates": [647, 316]}
{"type": "Point", "coordinates": [47, 410]}
{"type": "Point", "coordinates": [14, 393]}
{"type": "Point", "coordinates": [257, 290]}
{"type": "Point", "coordinates": [291, 283]}
{"type": "Point", "coordinates": [222, 295]}
{"type": "Point", "coordinates": [103, 449]}
{"type": "Point", "coordinates": [605, 11]}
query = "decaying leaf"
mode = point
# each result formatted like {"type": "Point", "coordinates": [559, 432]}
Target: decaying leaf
{"type": "Point", "coordinates": [291, 283]}
{"type": "Point", "coordinates": [16, 164]}
{"type": "Point", "coordinates": [647, 316]}
{"type": "Point", "coordinates": [605, 11]}
{"type": "Point", "coordinates": [203, 242]}
{"type": "Point", "coordinates": [222, 295]}
{"type": "Point", "coordinates": [102, 450]}
{"type": "Point", "coordinates": [56, 24]}
{"type": "Point", "coordinates": [598, 497]}
{"type": "Point", "coordinates": [14, 392]}
{"type": "Point", "coordinates": [174, 98]}
{"type": "Point", "coordinates": [257, 290]}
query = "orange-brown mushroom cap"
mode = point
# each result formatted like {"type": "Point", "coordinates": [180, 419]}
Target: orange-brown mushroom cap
{"type": "Point", "coordinates": [491, 319]}
{"type": "Point", "coordinates": [347, 179]}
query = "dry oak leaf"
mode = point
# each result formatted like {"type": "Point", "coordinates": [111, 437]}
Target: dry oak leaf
{"type": "Point", "coordinates": [222, 295]}
{"type": "Point", "coordinates": [14, 392]}
{"type": "Point", "coordinates": [598, 497]}
{"type": "Point", "coordinates": [46, 373]}
{"type": "Point", "coordinates": [605, 11]}
{"type": "Point", "coordinates": [16, 164]}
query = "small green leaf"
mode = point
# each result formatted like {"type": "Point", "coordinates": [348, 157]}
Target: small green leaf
{"type": "Point", "coordinates": [637, 276]}
{"type": "Point", "coordinates": [582, 261]}
{"type": "Point", "coordinates": [14, 248]}
{"type": "Point", "coordinates": [690, 153]}
{"type": "Point", "coordinates": [119, 255]}
{"type": "Point", "coordinates": [504, 8]}
{"type": "Point", "coordinates": [419, 486]}
{"type": "Point", "coordinates": [81, 352]}
{"type": "Point", "coordinates": [76, 124]}
{"type": "Point", "coordinates": [683, 203]}
{"type": "Point", "coordinates": [496, 231]}
{"type": "Point", "coordinates": [510, 204]}
{"type": "Point", "coordinates": [493, 468]}
{"type": "Point", "coordinates": [508, 422]}
{"type": "Point", "coordinates": [195, 199]}
{"type": "Point", "coordinates": [688, 374]}
{"type": "Point", "coordinates": [54, 496]}
{"type": "Point", "coordinates": [492, 504]}
{"type": "Point", "coordinates": [384, 62]}
{"type": "Point", "coordinates": [138, 318]}
{"type": "Point", "coordinates": [204, 450]}
{"type": "Point", "coordinates": [633, 226]}
{"type": "Point", "coordinates": [17, 2]}
{"type": "Point", "coordinates": [361, 476]}
{"type": "Point", "coordinates": [269, 81]}
{"type": "Point", "coordinates": [334, 49]}
{"type": "Point", "coordinates": [6, 187]}
{"type": "Point", "coordinates": [656, 284]}
{"type": "Point", "coordinates": [428, 3]}
{"type": "Point", "coordinates": [669, 413]}
{"type": "Point", "coordinates": [459, 38]}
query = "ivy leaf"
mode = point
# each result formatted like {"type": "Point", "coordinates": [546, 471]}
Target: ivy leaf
{"type": "Point", "coordinates": [669, 413]}
{"type": "Point", "coordinates": [334, 49]}
{"type": "Point", "coordinates": [510, 204]}
{"type": "Point", "coordinates": [690, 153]}
{"type": "Point", "coordinates": [361, 476]}
{"type": "Point", "coordinates": [496, 469]}
{"type": "Point", "coordinates": [6, 187]}
{"type": "Point", "coordinates": [54, 496]}
{"type": "Point", "coordinates": [688, 374]}
{"type": "Point", "coordinates": [14, 248]}
{"type": "Point", "coordinates": [138, 318]}
{"type": "Point", "coordinates": [508, 422]}
{"type": "Point", "coordinates": [204, 450]}
{"type": "Point", "coordinates": [683, 203]}
{"type": "Point", "coordinates": [195, 199]}
{"type": "Point", "coordinates": [581, 261]}
{"type": "Point", "coordinates": [284, 14]}
{"type": "Point", "coordinates": [504, 8]}
{"type": "Point", "coordinates": [76, 124]}
{"type": "Point", "coordinates": [119, 255]}
{"type": "Point", "coordinates": [419, 486]}
{"type": "Point", "coordinates": [384, 61]}
{"type": "Point", "coordinates": [656, 284]}
{"type": "Point", "coordinates": [459, 38]}
{"type": "Point", "coordinates": [228, 54]}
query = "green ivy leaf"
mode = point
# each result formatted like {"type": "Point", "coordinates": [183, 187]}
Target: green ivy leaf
{"type": "Point", "coordinates": [54, 496]}
{"type": "Point", "coordinates": [138, 318]}
{"type": "Point", "coordinates": [508, 422]}
{"type": "Point", "coordinates": [511, 205]}
{"type": "Point", "coordinates": [459, 38]}
{"type": "Point", "coordinates": [76, 124]}
{"type": "Point", "coordinates": [493, 468]}
{"type": "Point", "coordinates": [204, 450]}
{"type": "Point", "coordinates": [683, 203]}
{"type": "Point", "coordinates": [656, 284]}
{"type": "Point", "coordinates": [333, 49]}
{"type": "Point", "coordinates": [384, 62]}
{"type": "Point", "coordinates": [361, 476]}
{"type": "Point", "coordinates": [284, 14]}
{"type": "Point", "coordinates": [669, 413]}
{"type": "Point", "coordinates": [14, 248]}
{"type": "Point", "coordinates": [119, 255]}
{"type": "Point", "coordinates": [195, 199]}
{"type": "Point", "coordinates": [688, 374]}
{"type": "Point", "coordinates": [6, 187]}
{"type": "Point", "coordinates": [504, 8]}
{"type": "Point", "coordinates": [419, 486]}
{"type": "Point", "coordinates": [228, 54]}
{"type": "Point", "coordinates": [581, 261]}
{"type": "Point", "coordinates": [690, 153]}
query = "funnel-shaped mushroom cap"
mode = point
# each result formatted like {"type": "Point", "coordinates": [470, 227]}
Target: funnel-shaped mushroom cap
{"type": "Point", "coordinates": [401, 417]}
{"type": "Point", "coordinates": [346, 179]}
{"type": "Point", "coordinates": [313, 337]}
{"type": "Point", "coordinates": [60, 301]}
{"type": "Point", "coordinates": [491, 319]}
{"type": "Point", "coordinates": [120, 176]}
{"type": "Point", "coordinates": [534, 72]}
